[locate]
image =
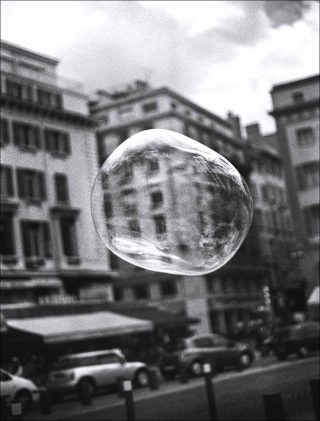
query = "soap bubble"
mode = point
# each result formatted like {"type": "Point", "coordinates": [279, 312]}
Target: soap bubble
{"type": "Point", "coordinates": [167, 203]}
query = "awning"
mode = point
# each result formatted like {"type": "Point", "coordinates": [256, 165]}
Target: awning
{"type": "Point", "coordinates": [55, 329]}
{"type": "Point", "coordinates": [314, 297]}
{"type": "Point", "coordinates": [158, 317]}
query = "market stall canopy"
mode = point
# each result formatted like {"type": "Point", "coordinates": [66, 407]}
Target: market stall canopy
{"type": "Point", "coordinates": [314, 297]}
{"type": "Point", "coordinates": [158, 317]}
{"type": "Point", "coordinates": [57, 329]}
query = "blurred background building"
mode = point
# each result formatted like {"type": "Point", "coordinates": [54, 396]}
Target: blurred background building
{"type": "Point", "coordinates": [228, 295]}
{"type": "Point", "coordinates": [296, 113]}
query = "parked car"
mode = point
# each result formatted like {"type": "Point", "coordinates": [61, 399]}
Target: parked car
{"type": "Point", "coordinates": [191, 353]}
{"type": "Point", "coordinates": [94, 370]}
{"type": "Point", "coordinates": [297, 339]}
{"type": "Point", "coordinates": [18, 389]}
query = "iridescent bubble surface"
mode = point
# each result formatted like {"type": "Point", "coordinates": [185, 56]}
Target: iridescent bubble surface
{"type": "Point", "coordinates": [167, 203]}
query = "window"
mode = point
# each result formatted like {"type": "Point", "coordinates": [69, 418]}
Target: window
{"type": "Point", "coordinates": [305, 136]}
{"type": "Point", "coordinates": [298, 97]}
{"type": "Point", "coordinates": [259, 218]}
{"type": "Point", "coordinates": [31, 185]}
{"type": "Point", "coordinates": [118, 293]}
{"type": "Point", "coordinates": [168, 288]}
{"type": "Point", "coordinates": [141, 292]}
{"type": "Point", "coordinates": [311, 215]}
{"type": "Point", "coordinates": [129, 209]}
{"type": "Point", "coordinates": [160, 224]}
{"type": "Point", "coordinates": [114, 261]}
{"type": "Point", "coordinates": [6, 181]}
{"type": "Point", "coordinates": [14, 89]}
{"type": "Point", "coordinates": [157, 199]}
{"type": "Point", "coordinates": [26, 136]}
{"type": "Point", "coordinates": [153, 166]}
{"type": "Point", "coordinates": [61, 188]}
{"type": "Point", "coordinates": [108, 359]}
{"type": "Point", "coordinates": [203, 342]}
{"type": "Point", "coordinates": [174, 106]}
{"type": "Point", "coordinates": [36, 242]}
{"type": "Point", "coordinates": [69, 239]}
{"type": "Point", "coordinates": [4, 134]}
{"type": "Point", "coordinates": [108, 211]}
{"type": "Point", "coordinates": [49, 99]}
{"type": "Point", "coordinates": [7, 244]}
{"type": "Point", "coordinates": [134, 227]}
{"type": "Point", "coordinates": [127, 173]}
{"type": "Point", "coordinates": [149, 107]}
{"type": "Point", "coordinates": [308, 175]}
{"type": "Point", "coordinates": [57, 143]}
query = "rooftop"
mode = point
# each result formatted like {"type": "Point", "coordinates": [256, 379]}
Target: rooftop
{"type": "Point", "coordinates": [295, 83]}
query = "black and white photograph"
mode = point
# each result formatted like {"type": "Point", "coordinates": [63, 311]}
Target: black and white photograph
{"type": "Point", "coordinates": [159, 210]}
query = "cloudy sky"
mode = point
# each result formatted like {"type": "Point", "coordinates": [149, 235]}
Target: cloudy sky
{"type": "Point", "coordinates": [224, 55]}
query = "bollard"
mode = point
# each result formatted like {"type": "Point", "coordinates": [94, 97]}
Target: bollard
{"type": "Point", "coordinates": [128, 396]}
{"type": "Point", "coordinates": [16, 410]}
{"type": "Point", "coordinates": [5, 408]}
{"type": "Point", "coordinates": [210, 392]}
{"type": "Point", "coordinates": [273, 407]}
{"type": "Point", "coordinates": [314, 386]}
{"type": "Point", "coordinates": [154, 383]}
{"type": "Point", "coordinates": [183, 373]}
{"type": "Point", "coordinates": [84, 393]}
{"type": "Point", "coordinates": [120, 387]}
{"type": "Point", "coordinates": [45, 402]}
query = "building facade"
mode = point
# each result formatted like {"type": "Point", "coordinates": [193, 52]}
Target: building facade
{"type": "Point", "coordinates": [296, 112]}
{"type": "Point", "coordinates": [50, 251]}
{"type": "Point", "coordinates": [273, 221]}
{"type": "Point", "coordinates": [219, 299]}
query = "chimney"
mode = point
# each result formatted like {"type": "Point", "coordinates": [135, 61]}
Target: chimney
{"type": "Point", "coordinates": [253, 131]}
{"type": "Point", "coordinates": [234, 121]}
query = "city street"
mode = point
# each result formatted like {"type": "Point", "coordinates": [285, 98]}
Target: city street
{"type": "Point", "coordinates": [238, 396]}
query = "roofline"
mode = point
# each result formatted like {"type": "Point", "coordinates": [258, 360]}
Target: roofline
{"type": "Point", "coordinates": [294, 83]}
{"type": "Point", "coordinates": [168, 91]}
{"type": "Point", "coordinates": [32, 54]}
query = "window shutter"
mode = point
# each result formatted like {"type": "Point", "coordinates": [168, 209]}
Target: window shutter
{"type": "Point", "coordinates": [10, 188]}
{"type": "Point", "coordinates": [16, 133]}
{"type": "Point", "coordinates": [47, 239]}
{"type": "Point", "coordinates": [42, 185]}
{"type": "Point", "coordinates": [47, 140]}
{"type": "Point", "coordinates": [4, 136]}
{"type": "Point", "coordinates": [36, 137]}
{"type": "Point", "coordinates": [21, 187]}
{"type": "Point", "coordinates": [25, 239]}
{"type": "Point", "coordinates": [66, 140]}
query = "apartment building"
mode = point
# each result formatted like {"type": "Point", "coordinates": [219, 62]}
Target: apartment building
{"type": "Point", "coordinates": [273, 221]}
{"type": "Point", "coordinates": [126, 111]}
{"type": "Point", "coordinates": [50, 252]}
{"type": "Point", "coordinates": [296, 113]}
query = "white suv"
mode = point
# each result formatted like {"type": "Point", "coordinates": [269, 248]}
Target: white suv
{"type": "Point", "coordinates": [94, 369]}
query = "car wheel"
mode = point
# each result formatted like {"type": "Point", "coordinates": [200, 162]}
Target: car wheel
{"type": "Point", "coordinates": [196, 368]}
{"type": "Point", "coordinates": [24, 398]}
{"type": "Point", "coordinates": [142, 378]}
{"type": "Point", "coordinates": [303, 351]}
{"type": "Point", "coordinates": [87, 385]}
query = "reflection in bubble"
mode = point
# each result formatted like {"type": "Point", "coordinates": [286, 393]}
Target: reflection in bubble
{"type": "Point", "coordinates": [167, 203]}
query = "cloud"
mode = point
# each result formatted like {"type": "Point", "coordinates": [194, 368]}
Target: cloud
{"type": "Point", "coordinates": [285, 12]}
{"type": "Point", "coordinates": [222, 55]}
